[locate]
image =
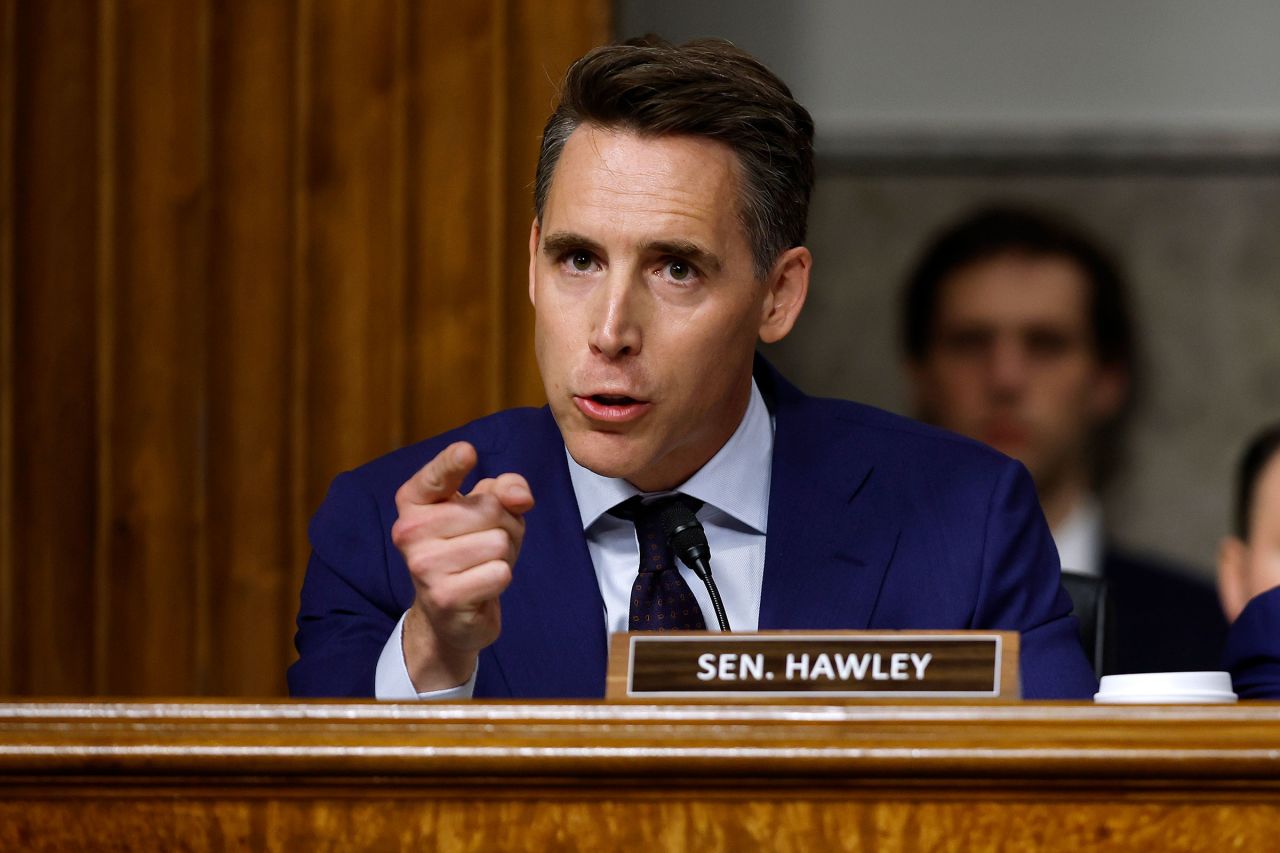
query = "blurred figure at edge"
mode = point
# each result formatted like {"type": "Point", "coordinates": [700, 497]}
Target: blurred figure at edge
{"type": "Point", "coordinates": [1018, 333]}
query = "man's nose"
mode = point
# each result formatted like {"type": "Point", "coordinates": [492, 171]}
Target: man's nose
{"type": "Point", "coordinates": [1008, 367]}
{"type": "Point", "coordinates": [616, 324]}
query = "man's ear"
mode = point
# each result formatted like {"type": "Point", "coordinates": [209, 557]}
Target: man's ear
{"type": "Point", "coordinates": [535, 231]}
{"type": "Point", "coordinates": [786, 289]}
{"type": "Point", "coordinates": [1233, 586]}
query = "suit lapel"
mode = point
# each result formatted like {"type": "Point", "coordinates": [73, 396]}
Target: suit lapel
{"type": "Point", "coordinates": [832, 527]}
{"type": "Point", "coordinates": [553, 639]}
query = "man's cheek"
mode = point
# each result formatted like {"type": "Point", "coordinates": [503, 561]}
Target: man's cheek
{"type": "Point", "coordinates": [1268, 573]}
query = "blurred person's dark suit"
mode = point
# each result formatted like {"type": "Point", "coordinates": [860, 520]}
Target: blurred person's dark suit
{"type": "Point", "coordinates": [1252, 654]}
{"type": "Point", "coordinates": [1168, 620]}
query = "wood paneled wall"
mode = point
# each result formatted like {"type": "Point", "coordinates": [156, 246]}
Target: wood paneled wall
{"type": "Point", "coordinates": [244, 245]}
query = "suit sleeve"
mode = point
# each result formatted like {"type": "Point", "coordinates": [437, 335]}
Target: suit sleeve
{"type": "Point", "coordinates": [1252, 654]}
{"type": "Point", "coordinates": [347, 610]}
{"type": "Point", "coordinates": [1022, 591]}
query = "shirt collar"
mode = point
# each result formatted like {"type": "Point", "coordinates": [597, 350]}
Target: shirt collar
{"type": "Point", "coordinates": [1079, 538]}
{"type": "Point", "coordinates": [734, 481]}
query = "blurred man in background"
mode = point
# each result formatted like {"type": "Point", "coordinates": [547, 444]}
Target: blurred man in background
{"type": "Point", "coordinates": [1018, 334]}
{"type": "Point", "coordinates": [1249, 572]}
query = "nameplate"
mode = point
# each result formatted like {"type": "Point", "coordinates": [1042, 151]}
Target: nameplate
{"type": "Point", "coordinates": [855, 665]}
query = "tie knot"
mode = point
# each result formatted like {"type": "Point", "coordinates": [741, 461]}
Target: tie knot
{"type": "Point", "coordinates": [641, 510]}
{"type": "Point", "coordinates": [652, 519]}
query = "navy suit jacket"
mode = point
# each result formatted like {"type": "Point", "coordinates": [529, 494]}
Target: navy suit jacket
{"type": "Point", "coordinates": [1164, 618]}
{"type": "Point", "coordinates": [875, 521]}
{"type": "Point", "coordinates": [1252, 654]}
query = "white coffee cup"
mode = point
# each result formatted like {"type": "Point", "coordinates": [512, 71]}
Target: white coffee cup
{"type": "Point", "coordinates": [1165, 687]}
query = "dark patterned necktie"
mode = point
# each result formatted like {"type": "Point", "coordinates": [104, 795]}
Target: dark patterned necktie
{"type": "Point", "coordinates": [660, 599]}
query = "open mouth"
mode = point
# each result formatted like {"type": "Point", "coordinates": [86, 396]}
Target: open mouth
{"type": "Point", "coordinates": [614, 408]}
{"type": "Point", "coordinates": [613, 399]}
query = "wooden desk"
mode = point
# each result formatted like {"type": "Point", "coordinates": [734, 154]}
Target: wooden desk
{"type": "Point", "coordinates": [313, 776]}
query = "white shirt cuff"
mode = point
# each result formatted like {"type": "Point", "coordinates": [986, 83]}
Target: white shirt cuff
{"type": "Point", "coordinates": [391, 678]}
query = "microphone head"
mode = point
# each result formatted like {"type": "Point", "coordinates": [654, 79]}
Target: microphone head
{"type": "Point", "coordinates": [684, 532]}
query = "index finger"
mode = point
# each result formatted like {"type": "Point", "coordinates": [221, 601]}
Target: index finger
{"type": "Point", "coordinates": [440, 478]}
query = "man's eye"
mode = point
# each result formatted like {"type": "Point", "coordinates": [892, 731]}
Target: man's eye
{"type": "Point", "coordinates": [966, 342]}
{"type": "Point", "coordinates": [1048, 344]}
{"type": "Point", "coordinates": [679, 270]}
{"type": "Point", "coordinates": [581, 261]}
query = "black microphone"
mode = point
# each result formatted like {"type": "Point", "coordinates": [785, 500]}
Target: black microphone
{"type": "Point", "coordinates": [689, 541]}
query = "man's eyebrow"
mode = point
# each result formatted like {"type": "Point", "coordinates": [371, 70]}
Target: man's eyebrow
{"type": "Point", "coordinates": [560, 242]}
{"type": "Point", "coordinates": [685, 250]}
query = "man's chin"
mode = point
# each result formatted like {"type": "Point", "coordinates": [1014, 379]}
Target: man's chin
{"type": "Point", "coordinates": [609, 455]}
{"type": "Point", "coordinates": [1016, 449]}
{"type": "Point", "coordinates": [1011, 441]}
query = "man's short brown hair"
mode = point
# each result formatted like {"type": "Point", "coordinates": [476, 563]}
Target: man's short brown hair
{"type": "Point", "coordinates": [705, 88]}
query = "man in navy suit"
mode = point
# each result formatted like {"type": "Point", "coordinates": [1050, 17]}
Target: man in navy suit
{"type": "Point", "coordinates": [670, 203]}
{"type": "Point", "coordinates": [1249, 572]}
{"type": "Point", "coordinates": [1018, 334]}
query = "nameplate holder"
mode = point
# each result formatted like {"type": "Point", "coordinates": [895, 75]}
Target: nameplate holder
{"type": "Point", "coordinates": [769, 666]}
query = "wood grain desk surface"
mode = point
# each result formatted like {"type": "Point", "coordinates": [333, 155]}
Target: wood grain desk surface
{"type": "Point", "coordinates": [367, 775]}
{"type": "Point", "coordinates": [1030, 740]}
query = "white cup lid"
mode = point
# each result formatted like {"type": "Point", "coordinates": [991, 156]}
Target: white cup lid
{"type": "Point", "coordinates": [1166, 687]}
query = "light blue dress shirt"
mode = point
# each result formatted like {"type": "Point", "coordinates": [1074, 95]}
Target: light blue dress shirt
{"type": "Point", "coordinates": [734, 489]}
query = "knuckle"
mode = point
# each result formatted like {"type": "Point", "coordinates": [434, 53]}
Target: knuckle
{"type": "Point", "coordinates": [495, 544]}
{"type": "Point", "coordinates": [426, 561]}
{"type": "Point", "coordinates": [508, 481]}
{"type": "Point", "coordinates": [422, 487]}
{"type": "Point", "coordinates": [412, 526]}
{"type": "Point", "coordinates": [500, 572]}
{"type": "Point", "coordinates": [493, 576]}
{"type": "Point", "coordinates": [401, 531]}
{"type": "Point", "coordinates": [488, 508]}
{"type": "Point", "coordinates": [430, 478]}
